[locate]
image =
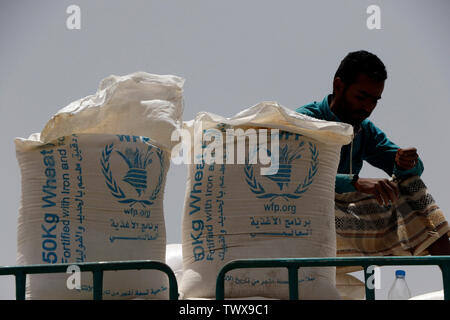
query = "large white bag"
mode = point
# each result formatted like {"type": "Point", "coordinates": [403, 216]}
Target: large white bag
{"type": "Point", "coordinates": [231, 211]}
{"type": "Point", "coordinates": [93, 187]}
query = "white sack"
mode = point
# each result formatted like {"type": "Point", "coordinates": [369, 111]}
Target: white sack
{"type": "Point", "coordinates": [174, 259]}
{"type": "Point", "coordinates": [93, 187]}
{"type": "Point", "coordinates": [435, 295]}
{"type": "Point", "coordinates": [350, 287]}
{"type": "Point", "coordinates": [233, 212]}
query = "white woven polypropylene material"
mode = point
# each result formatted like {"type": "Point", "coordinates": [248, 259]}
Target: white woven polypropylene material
{"type": "Point", "coordinates": [93, 187]}
{"type": "Point", "coordinates": [233, 212]}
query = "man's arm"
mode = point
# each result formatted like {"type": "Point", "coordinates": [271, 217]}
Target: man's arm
{"type": "Point", "coordinates": [407, 163]}
{"type": "Point", "coordinates": [344, 183]}
{"type": "Point", "coordinates": [380, 152]}
{"type": "Point", "coordinates": [310, 110]}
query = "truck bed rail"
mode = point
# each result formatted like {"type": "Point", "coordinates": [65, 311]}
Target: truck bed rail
{"type": "Point", "coordinates": [97, 268]}
{"type": "Point", "coordinates": [294, 264]}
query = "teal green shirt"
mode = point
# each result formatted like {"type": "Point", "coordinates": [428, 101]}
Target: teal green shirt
{"type": "Point", "coordinates": [369, 144]}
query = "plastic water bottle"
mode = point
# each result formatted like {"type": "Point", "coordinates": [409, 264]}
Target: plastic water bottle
{"type": "Point", "coordinates": [399, 289]}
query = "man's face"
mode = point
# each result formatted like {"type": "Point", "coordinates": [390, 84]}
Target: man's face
{"type": "Point", "coordinates": [355, 102]}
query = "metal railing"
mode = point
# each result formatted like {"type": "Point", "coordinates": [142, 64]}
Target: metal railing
{"type": "Point", "coordinates": [97, 268]}
{"type": "Point", "coordinates": [293, 265]}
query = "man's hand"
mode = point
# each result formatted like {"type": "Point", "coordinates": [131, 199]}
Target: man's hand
{"type": "Point", "coordinates": [383, 189]}
{"type": "Point", "coordinates": [406, 158]}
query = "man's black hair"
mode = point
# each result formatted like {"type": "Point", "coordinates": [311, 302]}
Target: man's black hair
{"type": "Point", "coordinates": [358, 62]}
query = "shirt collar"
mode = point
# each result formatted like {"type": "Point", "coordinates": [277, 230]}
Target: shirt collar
{"type": "Point", "coordinates": [330, 116]}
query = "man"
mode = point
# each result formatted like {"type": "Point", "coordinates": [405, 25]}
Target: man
{"type": "Point", "coordinates": [377, 216]}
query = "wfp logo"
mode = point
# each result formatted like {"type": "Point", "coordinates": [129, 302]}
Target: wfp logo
{"type": "Point", "coordinates": [283, 177]}
{"type": "Point", "coordinates": [136, 164]}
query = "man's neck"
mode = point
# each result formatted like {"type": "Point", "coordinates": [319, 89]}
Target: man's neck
{"type": "Point", "coordinates": [333, 108]}
{"type": "Point", "coordinates": [332, 105]}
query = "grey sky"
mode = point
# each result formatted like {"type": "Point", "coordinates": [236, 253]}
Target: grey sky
{"type": "Point", "coordinates": [233, 54]}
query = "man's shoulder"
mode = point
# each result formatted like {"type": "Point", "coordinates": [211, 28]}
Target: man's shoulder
{"type": "Point", "coordinates": [311, 109]}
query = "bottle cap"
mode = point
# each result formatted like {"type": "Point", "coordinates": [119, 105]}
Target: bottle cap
{"type": "Point", "coordinates": [400, 273]}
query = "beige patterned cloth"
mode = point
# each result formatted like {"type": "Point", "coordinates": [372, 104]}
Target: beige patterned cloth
{"type": "Point", "coordinates": [408, 227]}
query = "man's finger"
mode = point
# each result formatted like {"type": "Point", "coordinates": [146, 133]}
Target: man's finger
{"type": "Point", "coordinates": [379, 198]}
{"type": "Point", "coordinates": [408, 157]}
{"type": "Point", "coordinates": [407, 164]}
{"type": "Point", "coordinates": [402, 152]}
{"type": "Point", "coordinates": [402, 161]}
{"type": "Point", "coordinates": [389, 191]}
{"type": "Point", "coordinates": [396, 189]}
{"type": "Point", "coordinates": [384, 195]}
{"type": "Point", "coordinates": [407, 150]}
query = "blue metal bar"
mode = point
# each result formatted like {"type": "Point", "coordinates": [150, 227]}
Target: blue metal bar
{"type": "Point", "coordinates": [20, 285]}
{"type": "Point", "coordinates": [98, 284]}
{"type": "Point", "coordinates": [446, 280]}
{"type": "Point", "coordinates": [293, 282]}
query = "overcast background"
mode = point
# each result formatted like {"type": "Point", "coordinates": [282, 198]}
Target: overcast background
{"type": "Point", "coordinates": [233, 54]}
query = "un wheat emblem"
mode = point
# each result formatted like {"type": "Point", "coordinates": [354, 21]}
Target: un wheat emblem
{"type": "Point", "coordinates": [136, 176]}
{"type": "Point", "coordinates": [283, 177]}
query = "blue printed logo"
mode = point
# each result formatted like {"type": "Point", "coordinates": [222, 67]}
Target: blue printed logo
{"type": "Point", "coordinates": [283, 177]}
{"type": "Point", "coordinates": [138, 161]}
